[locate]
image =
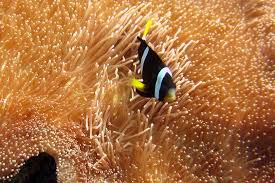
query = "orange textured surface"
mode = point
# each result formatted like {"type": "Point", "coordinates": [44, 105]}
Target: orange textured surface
{"type": "Point", "coordinates": [64, 67]}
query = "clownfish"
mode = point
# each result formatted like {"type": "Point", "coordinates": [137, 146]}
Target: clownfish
{"type": "Point", "coordinates": [157, 79]}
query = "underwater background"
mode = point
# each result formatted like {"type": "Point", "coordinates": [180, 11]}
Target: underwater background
{"type": "Point", "coordinates": [68, 113]}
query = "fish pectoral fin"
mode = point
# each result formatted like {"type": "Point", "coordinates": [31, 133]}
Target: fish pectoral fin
{"type": "Point", "coordinates": [138, 84]}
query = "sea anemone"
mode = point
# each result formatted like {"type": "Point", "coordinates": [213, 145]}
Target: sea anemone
{"type": "Point", "coordinates": [65, 71]}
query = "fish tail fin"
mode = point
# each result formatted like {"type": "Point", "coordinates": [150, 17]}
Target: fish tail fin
{"type": "Point", "coordinates": [147, 27]}
{"type": "Point", "coordinates": [138, 84]}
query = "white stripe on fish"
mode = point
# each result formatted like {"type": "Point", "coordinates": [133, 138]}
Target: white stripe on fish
{"type": "Point", "coordinates": [144, 55]}
{"type": "Point", "coordinates": [160, 77]}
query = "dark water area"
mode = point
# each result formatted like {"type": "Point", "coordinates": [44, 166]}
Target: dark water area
{"type": "Point", "coordinates": [37, 169]}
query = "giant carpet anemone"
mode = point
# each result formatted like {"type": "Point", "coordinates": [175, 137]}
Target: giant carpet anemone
{"type": "Point", "coordinates": [64, 69]}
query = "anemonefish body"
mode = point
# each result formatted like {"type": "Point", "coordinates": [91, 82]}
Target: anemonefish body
{"type": "Point", "coordinates": [157, 77]}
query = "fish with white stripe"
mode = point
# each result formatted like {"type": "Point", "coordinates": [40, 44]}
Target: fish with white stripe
{"type": "Point", "coordinates": [157, 79]}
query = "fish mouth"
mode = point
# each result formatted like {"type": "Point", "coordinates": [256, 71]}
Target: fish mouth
{"type": "Point", "coordinates": [171, 95]}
